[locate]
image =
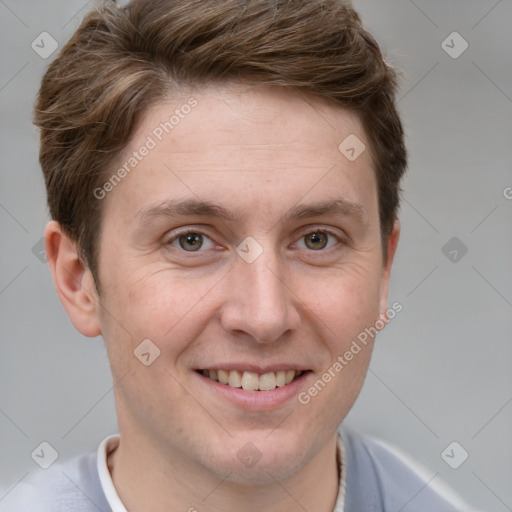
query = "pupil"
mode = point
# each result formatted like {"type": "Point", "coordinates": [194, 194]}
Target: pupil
{"type": "Point", "coordinates": [191, 241]}
{"type": "Point", "coordinates": [316, 240]}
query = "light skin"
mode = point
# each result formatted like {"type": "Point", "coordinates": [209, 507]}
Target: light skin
{"type": "Point", "coordinates": [269, 162]}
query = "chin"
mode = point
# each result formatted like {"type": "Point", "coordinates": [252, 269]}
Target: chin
{"type": "Point", "coordinates": [256, 459]}
{"type": "Point", "coordinates": [264, 472]}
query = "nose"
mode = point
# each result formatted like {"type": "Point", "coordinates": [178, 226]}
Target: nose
{"type": "Point", "coordinates": [260, 302]}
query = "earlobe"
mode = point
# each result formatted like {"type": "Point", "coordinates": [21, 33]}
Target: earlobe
{"type": "Point", "coordinates": [392, 244]}
{"type": "Point", "coordinates": [73, 280]}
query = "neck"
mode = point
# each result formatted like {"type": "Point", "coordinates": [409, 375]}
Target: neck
{"type": "Point", "coordinates": [148, 479]}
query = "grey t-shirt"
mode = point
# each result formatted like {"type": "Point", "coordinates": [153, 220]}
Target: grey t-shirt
{"type": "Point", "coordinates": [375, 479]}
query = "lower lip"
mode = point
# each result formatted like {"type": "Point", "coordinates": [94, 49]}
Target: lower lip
{"type": "Point", "coordinates": [256, 400]}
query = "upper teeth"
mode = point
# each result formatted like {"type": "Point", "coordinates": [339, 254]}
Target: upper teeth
{"type": "Point", "coordinates": [251, 381]}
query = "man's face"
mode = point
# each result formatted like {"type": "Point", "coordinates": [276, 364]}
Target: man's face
{"type": "Point", "coordinates": [244, 241]}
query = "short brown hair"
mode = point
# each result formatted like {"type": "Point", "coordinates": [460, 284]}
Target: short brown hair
{"type": "Point", "coordinates": [123, 59]}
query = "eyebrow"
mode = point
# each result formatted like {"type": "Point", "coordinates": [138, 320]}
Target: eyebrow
{"type": "Point", "coordinates": [187, 207]}
{"type": "Point", "coordinates": [340, 207]}
{"type": "Point", "coordinates": [195, 207]}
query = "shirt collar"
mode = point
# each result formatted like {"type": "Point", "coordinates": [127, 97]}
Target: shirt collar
{"type": "Point", "coordinates": [110, 443]}
{"type": "Point", "coordinates": [106, 446]}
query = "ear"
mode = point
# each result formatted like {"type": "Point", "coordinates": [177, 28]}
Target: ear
{"type": "Point", "coordinates": [73, 280]}
{"type": "Point", "coordinates": [386, 269]}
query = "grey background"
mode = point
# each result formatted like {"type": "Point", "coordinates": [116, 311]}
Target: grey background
{"type": "Point", "coordinates": [441, 369]}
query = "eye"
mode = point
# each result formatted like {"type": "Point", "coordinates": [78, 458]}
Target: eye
{"type": "Point", "coordinates": [191, 241]}
{"type": "Point", "coordinates": [317, 240]}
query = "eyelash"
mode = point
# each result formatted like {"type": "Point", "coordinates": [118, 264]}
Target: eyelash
{"type": "Point", "coordinates": [175, 238]}
{"type": "Point", "coordinates": [170, 241]}
{"type": "Point", "coordinates": [323, 232]}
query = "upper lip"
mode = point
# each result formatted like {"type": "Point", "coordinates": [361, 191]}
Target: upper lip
{"type": "Point", "coordinates": [256, 368]}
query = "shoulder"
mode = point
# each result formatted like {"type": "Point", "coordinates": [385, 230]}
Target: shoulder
{"type": "Point", "coordinates": [380, 478]}
{"type": "Point", "coordinates": [72, 485]}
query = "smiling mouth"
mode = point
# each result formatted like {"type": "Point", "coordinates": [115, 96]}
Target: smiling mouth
{"type": "Point", "coordinates": [251, 381]}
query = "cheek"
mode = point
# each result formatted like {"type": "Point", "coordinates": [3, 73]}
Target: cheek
{"type": "Point", "coordinates": [169, 311]}
{"type": "Point", "coordinates": [344, 310]}
{"type": "Point", "coordinates": [346, 301]}
{"type": "Point", "coordinates": [156, 304]}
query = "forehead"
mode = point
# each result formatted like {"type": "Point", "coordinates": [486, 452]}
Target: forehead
{"type": "Point", "coordinates": [259, 119]}
{"type": "Point", "coordinates": [262, 145]}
